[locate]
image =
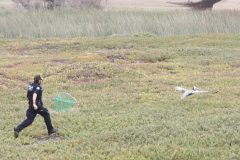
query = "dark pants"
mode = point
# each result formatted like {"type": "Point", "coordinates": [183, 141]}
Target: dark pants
{"type": "Point", "coordinates": [31, 114]}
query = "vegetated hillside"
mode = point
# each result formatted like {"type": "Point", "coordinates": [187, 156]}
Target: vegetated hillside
{"type": "Point", "coordinates": [127, 107]}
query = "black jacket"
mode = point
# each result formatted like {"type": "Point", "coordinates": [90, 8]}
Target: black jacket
{"type": "Point", "coordinates": [34, 88]}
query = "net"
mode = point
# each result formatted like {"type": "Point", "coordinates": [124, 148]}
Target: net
{"type": "Point", "coordinates": [63, 102]}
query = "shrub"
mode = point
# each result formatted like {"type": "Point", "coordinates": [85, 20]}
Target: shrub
{"type": "Point", "coordinates": [51, 4]}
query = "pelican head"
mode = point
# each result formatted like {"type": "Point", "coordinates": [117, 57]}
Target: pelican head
{"type": "Point", "coordinates": [195, 88]}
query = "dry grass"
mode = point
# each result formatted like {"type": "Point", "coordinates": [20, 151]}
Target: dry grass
{"type": "Point", "coordinates": [74, 23]}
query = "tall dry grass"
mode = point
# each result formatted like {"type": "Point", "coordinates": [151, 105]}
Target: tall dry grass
{"type": "Point", "coordinates": [74, 23]}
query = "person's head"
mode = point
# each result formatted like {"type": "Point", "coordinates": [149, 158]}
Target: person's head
{"type": "Point", "coordinates": [37, 79]}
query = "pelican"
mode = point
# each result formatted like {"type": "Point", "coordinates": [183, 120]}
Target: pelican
{"type": "Point", "coordinates": [188, 92]}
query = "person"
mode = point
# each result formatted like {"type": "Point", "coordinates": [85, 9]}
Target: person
{"type": "Point", "coordinates": [34, 95]}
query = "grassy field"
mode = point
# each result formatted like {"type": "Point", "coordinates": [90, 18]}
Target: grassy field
{"type": "Point", "coordinates": [75, 23]}
{"type": "Point", "coordinates": [123, 73]}
{"type": "Point", "coordinates": [127, 107]}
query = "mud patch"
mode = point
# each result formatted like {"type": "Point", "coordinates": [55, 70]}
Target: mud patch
{"type": "Point", "coordinates": [118, 56]}
{"type": "Point", "coordinates": [48, 46]}
{"type": "Point", "coordinates": [92, 74]}
{"type": "Point", "coordinates": [23, 52]}
{"type": "Point", "coordinates": [88, 75]}
{"type": "Point", "coordinates": [165, 67]}
{"type": "Point", "coordinates": [62, 61]}
{"type": "Point", "coordinates": [4, 81]}
{"type": "Point", "coordinates": [20, 65]}
{"type": "Point", "coordinates": [13, 77]}
{"type": "Point", "coordinates": [47, 138]}
{"type": "Point", "coordinates": [55, 47]}
{"type": "Point", "coordinates": [8, 81]}
{"type": "Point", "coordinates": [152, 58]}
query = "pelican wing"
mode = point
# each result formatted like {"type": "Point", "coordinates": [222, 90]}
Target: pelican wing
{"type": "Point", "coordinates": [186, 94]}
{"type": "Point", "coordinates": [180, 89]}
{"type": "Point", "coordinates": [199, 91]}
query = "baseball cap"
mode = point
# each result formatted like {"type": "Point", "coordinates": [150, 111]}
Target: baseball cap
{"type": "Point", "coordinates": [37, 78]}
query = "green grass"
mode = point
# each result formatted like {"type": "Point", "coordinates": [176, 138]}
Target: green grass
{"type": "Point", "coordinates": [127, 107]}
{"type": "Point", "coordinates": [75, 23]}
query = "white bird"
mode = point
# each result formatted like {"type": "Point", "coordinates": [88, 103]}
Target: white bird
{"type": "Point", "coordinates": [188, 92]}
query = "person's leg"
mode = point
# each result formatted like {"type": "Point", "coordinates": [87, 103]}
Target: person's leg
{"type": "Point", "coordinates": [31, 114]}
{"type": "Point", "coordinates": [47, 119]}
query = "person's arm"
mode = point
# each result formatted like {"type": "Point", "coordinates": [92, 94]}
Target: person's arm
{"type": "Point", "coordinates": [34, 101]}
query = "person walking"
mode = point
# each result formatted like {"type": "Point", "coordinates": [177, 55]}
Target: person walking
{"type": "Point", "coordinates": [34, 95]}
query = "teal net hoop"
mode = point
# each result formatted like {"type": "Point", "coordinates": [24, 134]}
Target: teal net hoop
{"type": "Point", "coordinates": [63, 102]}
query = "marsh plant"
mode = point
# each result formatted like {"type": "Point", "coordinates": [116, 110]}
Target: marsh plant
{"type": "Point", "coordinates": [80, 22]}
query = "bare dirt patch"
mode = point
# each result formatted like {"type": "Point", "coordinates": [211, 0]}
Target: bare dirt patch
{"type": "Point", "coordinates": [46, 138]}
{"type": "Point", "coordinates": [117, 56]}
{"type": "Point", "coordinates": [18, 65]}
{"type": "Point", "coordinates": [61, 61]}
{"type": "Point", "coordinates": [88, 75]}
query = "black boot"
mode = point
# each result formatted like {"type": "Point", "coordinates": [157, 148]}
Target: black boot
{"type": "Point", "coordinates": [54, 130]}
{"type": "Point", "coordinates": [16, 132]}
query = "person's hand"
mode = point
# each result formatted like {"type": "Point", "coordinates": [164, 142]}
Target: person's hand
{"type": "Point", "coordinates": [35, 107]}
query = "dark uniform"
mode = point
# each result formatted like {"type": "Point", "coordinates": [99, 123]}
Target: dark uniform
{"type": "Point", "coordinates": [31, 113]}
